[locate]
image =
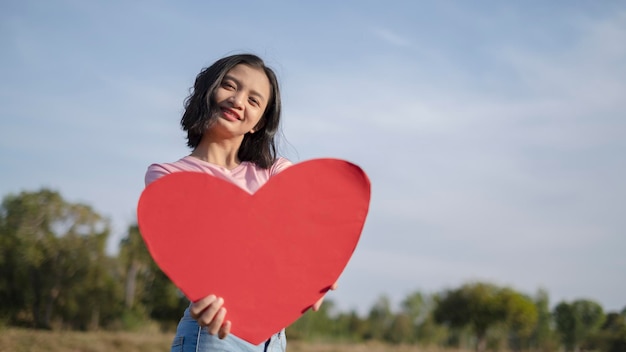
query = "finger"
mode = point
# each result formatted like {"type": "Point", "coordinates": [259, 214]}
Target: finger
{"type": "Point", "coordinates": [208, 315]}
{"type": "Point", "coordinates": [316, 306]}
{"type": "Point", "coordinates": [225, 329]}
{"type": "Point", "coordinates": [334, 286]}
{"type": "Point", "coordinates": [197, 307]}
{"type": "Point", "coordinates": [216, 323]}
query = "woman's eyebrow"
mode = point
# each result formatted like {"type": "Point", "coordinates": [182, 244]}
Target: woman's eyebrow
{"type": "Point", "coordinates": [238, 82]}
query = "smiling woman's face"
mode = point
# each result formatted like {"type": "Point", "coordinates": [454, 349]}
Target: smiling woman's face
{"type": "Point", "coordinates": [242, 98]}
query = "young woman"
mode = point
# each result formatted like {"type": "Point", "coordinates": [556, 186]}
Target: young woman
{"type": "Point", "coordinates": [231, 119]}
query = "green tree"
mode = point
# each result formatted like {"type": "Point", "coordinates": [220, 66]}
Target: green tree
{"type": "Point", "coordinates": [148, 292]}
{"type": "Point", "coordinates": [543, 337]}
{"type": "Point", "coordinates": [414, 306]}
{"type": "Point", "coordinates": [313, 324]}
{"type": "Point", "coordinates": [53, 257]}
{"type": "Point", "coordinates": [429, 332]}
{"type": "Point", "coordinates": [475, 305]}
{"type": "Point", "coordinates": [401, 329]}
{"type": "Point", "coordinates": [404, 326]}
{"type": "Point", "coordinates": [577, 321]}
{"type": "Point", "coordinates": [136, 263]}
{"type": "Point", "coordinates": [91, 294]}
{"type": "Point", "coordinates": [520, 317]}
{"type": "Point", "coordinates": [379, 319]}
{"type": "Point", "coordinates": [27, 237]}
{"type": "Point", "coordinates": [351, 326]}
{"type": "Point", "coordinates": [419, 307]}
{"type": "Point", "coordinates": [482, 306]}
{"type": "Point", "coordinates": [162, 300]}
{"type": "Point", "coordinates": [612, 334]}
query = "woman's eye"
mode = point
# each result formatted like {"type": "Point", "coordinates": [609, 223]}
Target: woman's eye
{"type": "Point", "coordinates": [228, 85]}
{"type": "Point", "coordinates": [254, 101]}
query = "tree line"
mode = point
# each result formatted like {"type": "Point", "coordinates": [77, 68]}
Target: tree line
{"type": "Point", "coordinates": [55, 274]}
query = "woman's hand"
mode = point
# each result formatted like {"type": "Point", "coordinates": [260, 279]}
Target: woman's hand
{"type": "Point", "coordinates": [209, 312]}
{"type": "Point", "coordinates": [318, 304]}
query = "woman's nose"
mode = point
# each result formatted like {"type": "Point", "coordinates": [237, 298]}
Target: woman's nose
{"type": "Point", "coordinates": [236, 100]}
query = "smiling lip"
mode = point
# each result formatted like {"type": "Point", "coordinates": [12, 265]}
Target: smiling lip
{"type": "Point", "coordinates": [230, 114]}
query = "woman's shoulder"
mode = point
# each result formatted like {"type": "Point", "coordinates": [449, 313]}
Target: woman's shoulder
{"type": "Point", "coordinates": [157, 170]}
{"type": "Point", "coordinates": [279, 165]}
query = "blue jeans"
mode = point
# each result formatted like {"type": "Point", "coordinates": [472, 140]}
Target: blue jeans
{"type": "Point", "coordinates": [191, 337]}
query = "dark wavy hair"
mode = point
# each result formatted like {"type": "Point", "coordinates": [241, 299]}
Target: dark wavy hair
{"type": "Point", "coordinates": [201, 110]}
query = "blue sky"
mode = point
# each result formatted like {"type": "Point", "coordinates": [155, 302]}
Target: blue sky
{"type": "Point", "coordinates": [494, 133]}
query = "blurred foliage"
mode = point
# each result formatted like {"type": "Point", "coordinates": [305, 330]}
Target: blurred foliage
{"type": "Point", "coordinates": [55, 274]}
{"type": "Point", "coordinates": [489, 311]}
{"type": "Point", "coordinates": [577, 322]}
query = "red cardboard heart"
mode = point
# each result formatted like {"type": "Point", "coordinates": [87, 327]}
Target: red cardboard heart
{"type": "Point", "coordinates": [271, 254]}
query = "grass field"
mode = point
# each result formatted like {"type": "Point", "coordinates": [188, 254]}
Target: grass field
{"type": "Point", "coordinates": [22, 340]}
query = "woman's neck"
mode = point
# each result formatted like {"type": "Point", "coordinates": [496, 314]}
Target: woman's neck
{"type": "Point", "coordinates": [222, 153]}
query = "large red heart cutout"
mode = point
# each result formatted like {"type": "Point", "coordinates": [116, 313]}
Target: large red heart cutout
{"type": "Point", "coordinates": [272, 254]}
